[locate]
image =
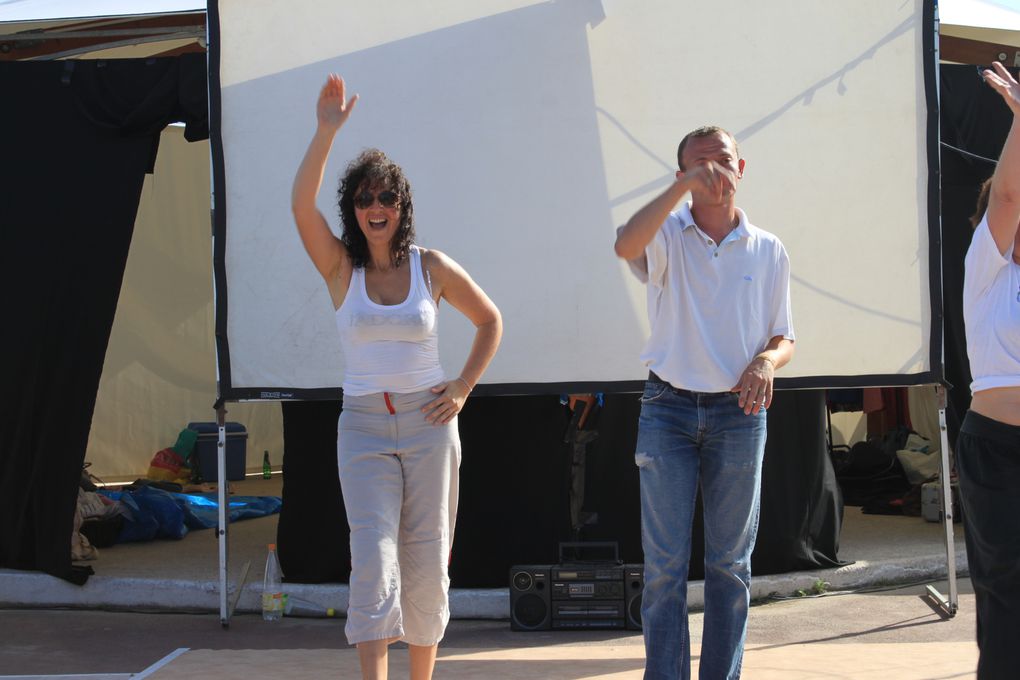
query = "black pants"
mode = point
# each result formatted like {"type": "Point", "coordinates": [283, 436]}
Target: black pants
{"type": "Point", "coordinates": [988, 462]}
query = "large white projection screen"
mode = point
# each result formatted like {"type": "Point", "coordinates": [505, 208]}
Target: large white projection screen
{"type": "Point", "coordinates": [531, 130]}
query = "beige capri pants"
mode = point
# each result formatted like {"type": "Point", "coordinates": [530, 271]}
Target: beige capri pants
{"type": "Point", "coordinates": [399, 476]}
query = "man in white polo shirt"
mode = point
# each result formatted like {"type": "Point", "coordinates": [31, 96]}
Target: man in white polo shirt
{"type": "Point", "coordinates": [719, 307]}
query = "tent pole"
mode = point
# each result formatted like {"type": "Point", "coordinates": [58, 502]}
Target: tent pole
{"type": "Point", "coordinates": [221, 502]}
{"type": "Point", "coordinates": [946, 607]}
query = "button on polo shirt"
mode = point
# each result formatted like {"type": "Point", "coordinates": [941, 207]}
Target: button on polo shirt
{"type": "Point", "coordinates": [712, 307]}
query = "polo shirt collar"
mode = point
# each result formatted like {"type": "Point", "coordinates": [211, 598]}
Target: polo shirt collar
{"type": "Point", "coordinates": [687, 221]}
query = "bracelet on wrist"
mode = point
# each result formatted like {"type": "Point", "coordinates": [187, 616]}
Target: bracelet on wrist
{"type": "Point", "coordinates": [466, 384]}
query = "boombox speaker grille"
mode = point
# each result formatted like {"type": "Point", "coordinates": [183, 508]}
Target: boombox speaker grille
{"type": "Point", "coordinates": [531, 610]}
{"type": "Point", "coordinates": [633, 586]}
{"type": "Point", "coordinates": [529, 598]}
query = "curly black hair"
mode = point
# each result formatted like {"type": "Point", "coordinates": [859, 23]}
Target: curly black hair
{"type": "Point", "coordinates": [373, 169]}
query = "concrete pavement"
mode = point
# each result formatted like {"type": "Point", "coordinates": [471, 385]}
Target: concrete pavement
{"type": "Point", "coordinates": [862, 635]}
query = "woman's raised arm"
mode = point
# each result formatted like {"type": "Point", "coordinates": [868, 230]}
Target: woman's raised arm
{"type": "Point", "coordinates": [327, 252]}
{"type": "Point", "coordinates": [1004, 195]}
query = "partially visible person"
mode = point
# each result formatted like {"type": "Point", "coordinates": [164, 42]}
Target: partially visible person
{"type": "Point", "coordinates": [398, 449]}
{"type": "Point", "coordinates": [988, 446]}
{"type": "Point", "coordinates": [719, 307]}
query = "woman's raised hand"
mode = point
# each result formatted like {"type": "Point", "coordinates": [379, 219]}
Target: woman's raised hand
{"type": "Point", "coordinates": [1004, 83]}
{"type": "Point", "coordinates": [333, 109]}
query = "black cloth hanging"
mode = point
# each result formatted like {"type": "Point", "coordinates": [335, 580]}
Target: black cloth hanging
{"type": "Point", "coordinates": [514, 489]}
{"type": "Point", "coordinates": [973, 119]}
{"type": "Point", "coordinates": [312, 536]}
{"type": "Point", "coordinates": [514, 482]}
{"type": "Point", "coordinates": [77, 140]}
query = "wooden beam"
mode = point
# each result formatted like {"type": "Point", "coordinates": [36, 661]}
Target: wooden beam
{"type": "Point", "coordinates": [183, 49]}
{"type": "Point", "coordinates": [966, 51]}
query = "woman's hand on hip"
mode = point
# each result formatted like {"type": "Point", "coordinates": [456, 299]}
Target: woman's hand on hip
{"type": "Point", "coordinates": [452, 395]}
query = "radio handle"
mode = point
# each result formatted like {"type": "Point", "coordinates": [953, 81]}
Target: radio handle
{"type": "Point", "coordinates": [573, 545]}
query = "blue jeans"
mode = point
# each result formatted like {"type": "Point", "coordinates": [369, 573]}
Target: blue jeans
{"type": "Point", "coordinates": [684, 436]}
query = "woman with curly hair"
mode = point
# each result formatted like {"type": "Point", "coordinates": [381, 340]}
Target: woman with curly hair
{"type": "Point", "coordinates": [398, 449]}
{"type": "Point", "coordinates": [988, 446]}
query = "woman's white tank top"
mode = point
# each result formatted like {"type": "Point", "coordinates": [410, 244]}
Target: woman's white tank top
{"type": "Point", "coordinates": [390, 348]}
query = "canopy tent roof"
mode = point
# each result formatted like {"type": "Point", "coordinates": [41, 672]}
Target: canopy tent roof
{"type": "Point", "coordinates": [973, 31]}
{"type": "Point", "coordinates": [103, 29]}
{"type": "Point", "coordinates": [57, 10]}
{"type": "Point", "coordinates": [1004, 15]}
{"type": "Point", "coordinates": [980, 31]}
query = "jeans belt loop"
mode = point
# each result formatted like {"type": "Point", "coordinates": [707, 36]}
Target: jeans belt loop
{"type": "Point", "coordinates": [653, 378]}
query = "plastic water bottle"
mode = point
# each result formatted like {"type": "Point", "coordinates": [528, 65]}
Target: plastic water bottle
{"type": "Point", "coordinates": [272, 587]}
{"type": "Point", "coordinates": [295, 606]}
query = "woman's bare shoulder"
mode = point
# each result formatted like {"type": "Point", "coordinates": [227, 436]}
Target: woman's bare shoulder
{"type": "Point", "coordinates": [437, 260]}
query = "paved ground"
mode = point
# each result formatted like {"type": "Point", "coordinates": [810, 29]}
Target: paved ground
{"type": "Point", "coordinates": [878, 634]}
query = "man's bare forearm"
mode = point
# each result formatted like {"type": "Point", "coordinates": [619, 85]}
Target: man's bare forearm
{"type": "Point", "coordinates": [778, 351]}
{"type": "Point", "coordinates": [640, 229]}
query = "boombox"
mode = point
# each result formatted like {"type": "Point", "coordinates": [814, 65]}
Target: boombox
{"type": "Point", "coordinates": [576, 596]}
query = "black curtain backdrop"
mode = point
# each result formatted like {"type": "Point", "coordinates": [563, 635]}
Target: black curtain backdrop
{"type": "Point", "coordinates": [77, 140]}
{"type": "Point", "coordinates": [974, 119]}
{"type": "Point", "coordinates": [515, 478]}
{"type": "Point", "coordinates": [801, 502]}
{"type": "Point", "coordinates": [513, 495]}
{"type": "Point", "coordinates": [312, 537]}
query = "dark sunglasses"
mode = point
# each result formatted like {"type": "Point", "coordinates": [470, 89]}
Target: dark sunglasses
{"type": "Point", "coordinates": [365, 199]}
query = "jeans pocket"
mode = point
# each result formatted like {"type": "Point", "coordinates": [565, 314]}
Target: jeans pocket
{"type": "Point", "coordinates": [653, 391]}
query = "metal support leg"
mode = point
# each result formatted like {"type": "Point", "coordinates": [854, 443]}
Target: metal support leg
{"type": "Point", "coordinates": [946, 607]}
{"type": "Point", "coordinates": [222, 500]}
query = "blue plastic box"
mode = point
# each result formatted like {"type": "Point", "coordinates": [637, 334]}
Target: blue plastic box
{"type": "Point", "coordinates": [205, 450]}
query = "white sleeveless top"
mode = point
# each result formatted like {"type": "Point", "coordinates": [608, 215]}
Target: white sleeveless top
{"type": "Point", "coordinates": [991, 312]}
{"type": "Point", "coordinates": [390, 348]}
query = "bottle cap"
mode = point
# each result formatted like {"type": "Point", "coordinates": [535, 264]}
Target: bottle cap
{"type": "Point", "coordinates": [272, 546]}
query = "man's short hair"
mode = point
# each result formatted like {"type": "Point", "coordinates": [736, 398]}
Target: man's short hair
{"type": "Point", "coordinates": [703, 131]}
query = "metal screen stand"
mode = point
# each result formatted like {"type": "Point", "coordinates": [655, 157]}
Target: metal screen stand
{"type": "Point", "coordinates": [945, 606]}
{"type": "Point", "coordinates": [221, 502]}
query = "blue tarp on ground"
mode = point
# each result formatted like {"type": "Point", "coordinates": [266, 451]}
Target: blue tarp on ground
{"type": "Point", "coordinates": [153, 513]}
